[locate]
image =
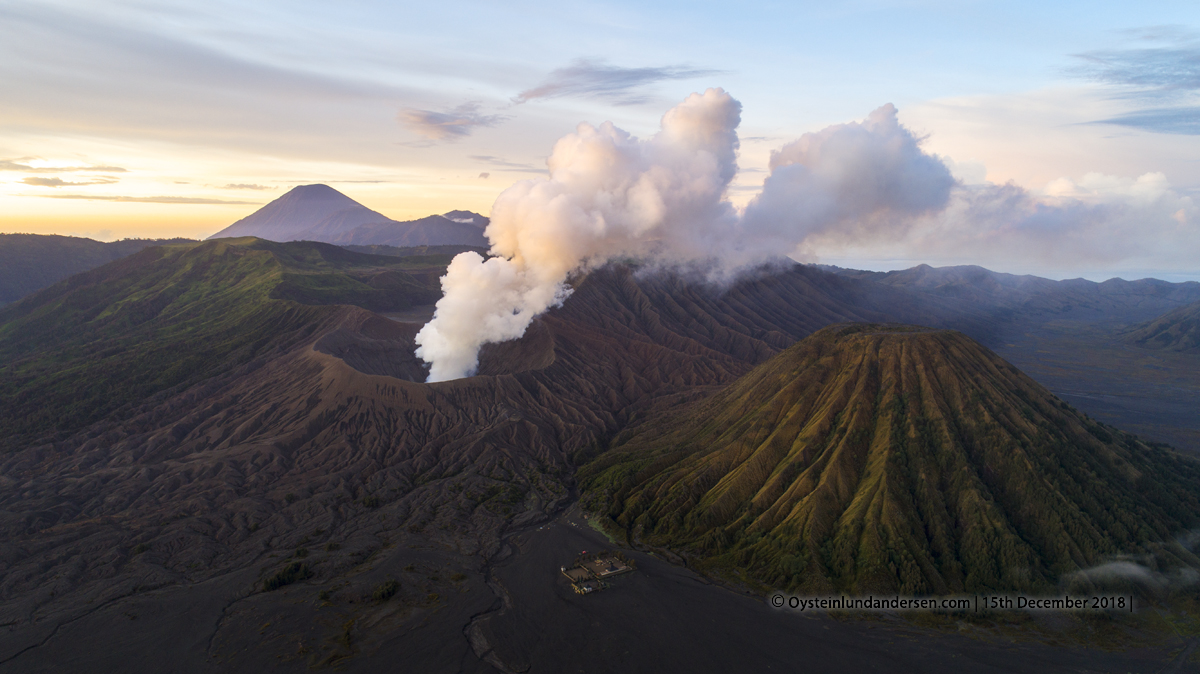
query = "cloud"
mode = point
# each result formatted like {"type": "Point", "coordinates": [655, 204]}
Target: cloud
{"type": "Point", "coordinates": [147, 200]}
{"type": "Point", "coordinates": [608, 194]}
{"type": "Point", "coordinates": [1155, 75]}
{"type": "Point", "coordinates": [1117, 571]}
{"type": "Point", "coordinates": [1164, 568]}
{"type": "Point", "coordinates": [866, 179]}
{"type": "Point", "coordinates": [1149, 71]}
{"type": "Point", "coordinates": [246, 186]}
{"type": "Point", "coordinates": [864, 189]}
{"type": "Point", "coordinates": [450, 125]}
{"type": "Point", "coordinates": [485, 175]}
{"type": "Point", "coordinates": [502, 164]}
{"type": "Point", "coordinates": [116, 75]}
{"type": "Point", "coordinates": [665, 199]}
{"type": "Point", "coordinates": [1161, 33]}
{"type": "Point", "coordinates": [1071, 226]}
{"type": "Point", "coordinates": [1181, 121]}
{"type": "Point", "coordinates": [59, 182]}
{"type": "Point", "coordinates": [19, 165]}
{"type": "Point", "coordinates": [595, 78]}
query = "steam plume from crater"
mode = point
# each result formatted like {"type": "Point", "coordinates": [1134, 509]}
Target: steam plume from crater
{"type": "Point", "coordinates": [611, 195]}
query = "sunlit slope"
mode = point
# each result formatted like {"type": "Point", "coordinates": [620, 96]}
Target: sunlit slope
{"type": "Point", "coordinates": [1177, 330]}
{"type": "Point", "coordinates": [173, 315]}
{"type": "Point", "coordinates": [871, 458]}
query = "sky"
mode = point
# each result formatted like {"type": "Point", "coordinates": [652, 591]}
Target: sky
{"type": "Point", "coordinates": [159, 119]}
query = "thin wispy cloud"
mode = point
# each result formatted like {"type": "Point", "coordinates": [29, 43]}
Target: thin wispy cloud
{"type": "Point", "coordinates": [246, 186]}
{"type": "Point", "coordinates": [452, 124]}
{"type": "Point", "coordinates": [1159, 71]}
{"type": "Point", "coordinates": [319, 179]}
{"type": "Point", "coordinates": [108, 77]}
{"type": "Point", "coordinates": [1165, 77]}
{"type": "Point", "coordinates": [501, 164]}
{"type": "Point", "coordinates": [595, 78]}
{"type": "Point", "coordinates": [1183, 121]}
{"type": "Point", "coordinates": [21, 165]}
{"type": "Point", "coordinates": [59, 182]}
{"type": "Point", "coordinates": [146, 200]}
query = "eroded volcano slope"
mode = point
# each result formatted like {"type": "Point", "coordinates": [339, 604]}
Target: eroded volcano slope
{"type": "Point", "coordinates": [298, 436]}
{"type": "Point", "coordinates": [872, 458]}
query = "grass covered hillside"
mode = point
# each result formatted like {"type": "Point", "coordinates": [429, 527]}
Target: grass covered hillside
{"type": "Point", "coordinates": [172, 315]}
{"type": "Point", "coordinates": [30, 262]}
{"type": "Point", "coordinates": [871, 458]}
{"type": "Point", "coordinates": [1177, 330]}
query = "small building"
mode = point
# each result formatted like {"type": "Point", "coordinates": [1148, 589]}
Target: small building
{"type": "Point", "coordinates": [587, 586]}
{"type": "Point", "coordinates": [577, 574]}
{"type": "Point", "coordinates": [588, 573]}
{"type": "Point", "coordinates": [603, 567]}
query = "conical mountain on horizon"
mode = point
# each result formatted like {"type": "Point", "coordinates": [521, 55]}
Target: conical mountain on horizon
{"type": "Point", "coordinates": [872, 458]}
{"type": "Point", "coordinates": [321, 213]}
{"type": "Point", "coordinates": [300, 210]}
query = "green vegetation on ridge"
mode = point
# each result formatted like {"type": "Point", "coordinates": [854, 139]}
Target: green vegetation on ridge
{"type": "Point", "coordinates": [173, 315]}
{"type": "Point", "coordinates": [30, 262]}
{"type": "Point", "coordinates": [1177, 330]}
{"type": "Point", "coordinates": [886, 459]}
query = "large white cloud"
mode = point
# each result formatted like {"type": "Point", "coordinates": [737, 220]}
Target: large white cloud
{"type": "Point", "coordinates": [864, 188]}
{"type": "Point", "coordinates": [611, 195]}
{"type": "Point", "coordinates": [608, 194]}
{"type": "Point", "coordinates": [866, 179]}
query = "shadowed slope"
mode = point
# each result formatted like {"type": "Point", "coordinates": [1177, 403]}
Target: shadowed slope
{"type": "Point", "coordinates": [884, 458]}
{"type": "Point", "coordinates": [30, 262]}
{"type": "Point", "coordinates": [433, 230]}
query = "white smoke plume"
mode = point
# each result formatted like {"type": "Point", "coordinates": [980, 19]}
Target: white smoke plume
{"type": "Point", "coordinates": [867, 180]}
{"type": "Point", "coordinates": [612, 195]}
{"type": "Point", "coordinates": [864, 189]}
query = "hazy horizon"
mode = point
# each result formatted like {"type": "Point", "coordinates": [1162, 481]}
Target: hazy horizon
{"type": "Point", "coordinates": [1069, 132]}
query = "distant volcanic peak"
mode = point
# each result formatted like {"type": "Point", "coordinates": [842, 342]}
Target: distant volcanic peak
{"type": "Point", "coordinates": [316, 189]}
{"type": "Point", "coordinates": [308, 211]}
{"type": "Point", "coordinates": [320, 196]}
{"type": "Point", "coordinates": [467, 217]}
{"type": "Point", "coordinates": [890, 458]}
{"type": "Point", "coordinates": [321, 213]}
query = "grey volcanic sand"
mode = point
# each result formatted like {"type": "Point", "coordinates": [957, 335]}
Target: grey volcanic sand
{"type": "Point", "coordinates": [524, 618]}
{"type": "Point", "coordinates": [664, 618]}
{"type": "Point", "coordinates": [1154, 394]}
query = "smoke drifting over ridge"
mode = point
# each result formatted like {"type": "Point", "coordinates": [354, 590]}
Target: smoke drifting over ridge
{"type": "Point", "coordinates": [861, 187]}
{"type": "Point", "coordinates": [612, 195]}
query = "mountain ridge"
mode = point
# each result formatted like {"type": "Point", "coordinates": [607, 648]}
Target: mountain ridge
{"type": "Point", "coordinates": [30, 262]}
{"type": "Point", "coordinates": [876, 458]}
{"type": "Point", "coordinates": [1018, 296]}
{"type": "Point", "coordinates": [1176, 330]}
{"type": "Point", "coordinates": [321, 213]}
{"type": "Point", "coordinates": [304, 438]}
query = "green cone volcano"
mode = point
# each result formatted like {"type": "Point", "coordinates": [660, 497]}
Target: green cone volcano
{"type": "Point", "coordinates": [872, 458]}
